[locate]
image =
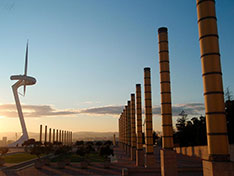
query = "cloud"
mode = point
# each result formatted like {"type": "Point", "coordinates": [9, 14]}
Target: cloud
{"type": "Point", "coordinates": [9, 110]}
{"type": "Point", "coordinates": [190, 109]}
{"type": "Point", "coordinates": [105, 110]}
{"type": "Point", "coordinates": [36, 111]}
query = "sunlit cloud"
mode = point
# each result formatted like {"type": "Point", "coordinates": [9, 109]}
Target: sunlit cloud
{"type": "Point", "coordinates": [9, 110]}
{"type": "Point", "coordinates": [37, 111]}
{"type": "Point", "coordinates": [190, 109]}
{"type": "Point", "coordinates": [105, 110]}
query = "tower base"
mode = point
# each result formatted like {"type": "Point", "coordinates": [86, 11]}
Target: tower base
{"type": "Point", "coordinates": [168, 162]}
{"type": "Point", "coordinates": [19, 142]}
{"type": "Point", "coordinates": [212, 168]}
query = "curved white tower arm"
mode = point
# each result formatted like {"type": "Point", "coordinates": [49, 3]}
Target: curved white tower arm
{"type": "Point", "coordinates": [22, 80]}
{"type": "Point", "coordinates": [24, 137]}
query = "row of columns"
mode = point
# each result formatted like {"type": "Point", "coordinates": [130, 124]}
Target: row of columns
{"type": "Point", "coordinates": [130, 125]}
{"type": "Point", "coordinates": [218, 152]}
{"type": "Point", "coordinates": [65, 137]}
{"type": "Point", "coordinates": [167, 155]}
{"type": "Point", "coordinates": [219, 156]}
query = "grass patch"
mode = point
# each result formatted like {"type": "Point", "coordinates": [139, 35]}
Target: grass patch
{"type": "Point", "coordinates": [19, 157]}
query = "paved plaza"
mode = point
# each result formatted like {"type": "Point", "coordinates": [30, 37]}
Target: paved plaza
{"type": "Point", "coordinates": [186, 165]}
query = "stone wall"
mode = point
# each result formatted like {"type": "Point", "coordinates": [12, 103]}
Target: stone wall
{"type": "Point", "coordinates": [200, 151]}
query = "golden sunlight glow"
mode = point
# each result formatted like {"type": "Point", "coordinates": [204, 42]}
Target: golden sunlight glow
{"type": "Point", "coordinates": [2, 117]}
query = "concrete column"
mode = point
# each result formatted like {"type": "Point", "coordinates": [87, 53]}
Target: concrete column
{"type": "Point", "coordinates": [125, 130]}
{"type": "Point", "coordinates": [216, 125]}
{"type": "Point", "coordinates": [71, 138]}
{"type": "Point", "coordinates": [212, 82]}
{"type": "Point", "coordinates": [129, 129]}
{"type": "Point", "coordinates": [45, 134]}
{"type": "Point", "coordinates": [67, 137]}
{"type": "Point", "coordinates": [53, 138]}
{"type": "Point", "coordinates": [133, 128]}
{"type": "Point", "coordinates": [49, 135]}
{"type": "Point", "coordinates": [114, 142]}
{"type": "Point", "coordinates": [57, 135]}
{"type": "Point", "coordinates": [60, 137]}
{"type": "Point", "coordinates": [149, 155]}
{"type": "Point", "coordinates": [68, 134]}
{"type": "Point", "coordinates": [119, 131]}
{"type": "Point", "coordinates": [122, 131]}
{"type": "Point", "coordinates": [40, 133]}
{"type": "Point", "coordinates": [168, 156]}
{"type": "Point", "coordinates": [139, 152]}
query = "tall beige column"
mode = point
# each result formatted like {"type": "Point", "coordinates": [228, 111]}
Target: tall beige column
{"type": "Point", "coordinates": [133, 128]}
{"type": "Point", "coordinates": [49, 135]}
{"type": "Point", "coordinates": [216, 125]}
{"type": "Point", "coordinates": [53, 138]}
{"type": "Point", "coordinates": [129, 129]}
{"type": "Point", "coordinates": [149, 155]}
{"type": "Point", "coordinates": [139, 152]}
{"type": "Point", "coordinates": [167, 138]}
{"type": "Point", "coordinates": [45, 134]}
{"type": "Point", "coordinates": [65, 138]}
{"type": "Point", "coordinates": [212, 82]}
{"type": "Point", "coordinates": [57, 135]}
{"type": "Point", "coordinates": [40, 133]}
{"type": "Point", "coordinates": [114, 141]}
{"type": "Point", "coordinates": [167, 155]}
{"type": "Point", "coordinates": [71, 137]}
{"type": "Point", "coordinates": [120, 131]}
{"type": "Point", "coordinates": [60, 137]}
{"type": "Point", "coordinates": [126, 130]}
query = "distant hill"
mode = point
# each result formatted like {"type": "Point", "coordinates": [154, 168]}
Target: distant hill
{"type": "Point", "coordinates": [83, 135]}
{"type": "Point", "coordinates": [94, 135]}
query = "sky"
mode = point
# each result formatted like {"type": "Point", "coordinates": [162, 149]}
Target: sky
{"type": "Point", "coordinates": [88, 55]}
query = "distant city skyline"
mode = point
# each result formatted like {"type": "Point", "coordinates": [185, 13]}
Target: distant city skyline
{"type": "Point", "coordinates": [88, 56]}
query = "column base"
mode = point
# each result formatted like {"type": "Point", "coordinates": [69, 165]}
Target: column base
{"type": "Point", "coordinates": [125, 148]}
{"type": "Point", "coordinates": [140, 157]}
{"type": "Point", "coordinates": [150, 161]}
{"type": "Point", "coordinates": [168, 162]}
{"type": "Point", "coordinates": [133, 153]}
{"type": "Point", "coordinates": [212, 168]}
{"type": "Point", "coordinates": [129, 151]}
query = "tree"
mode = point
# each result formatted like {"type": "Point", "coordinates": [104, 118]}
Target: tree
{"type": "Point", "coordinates": [229, 109]}
{"type": "Point", "coordinates": [155, 137]}
{"type": "Point", "coordinates": [190, 132]}
{"type": "Point", "coordinates": [228, 94]}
